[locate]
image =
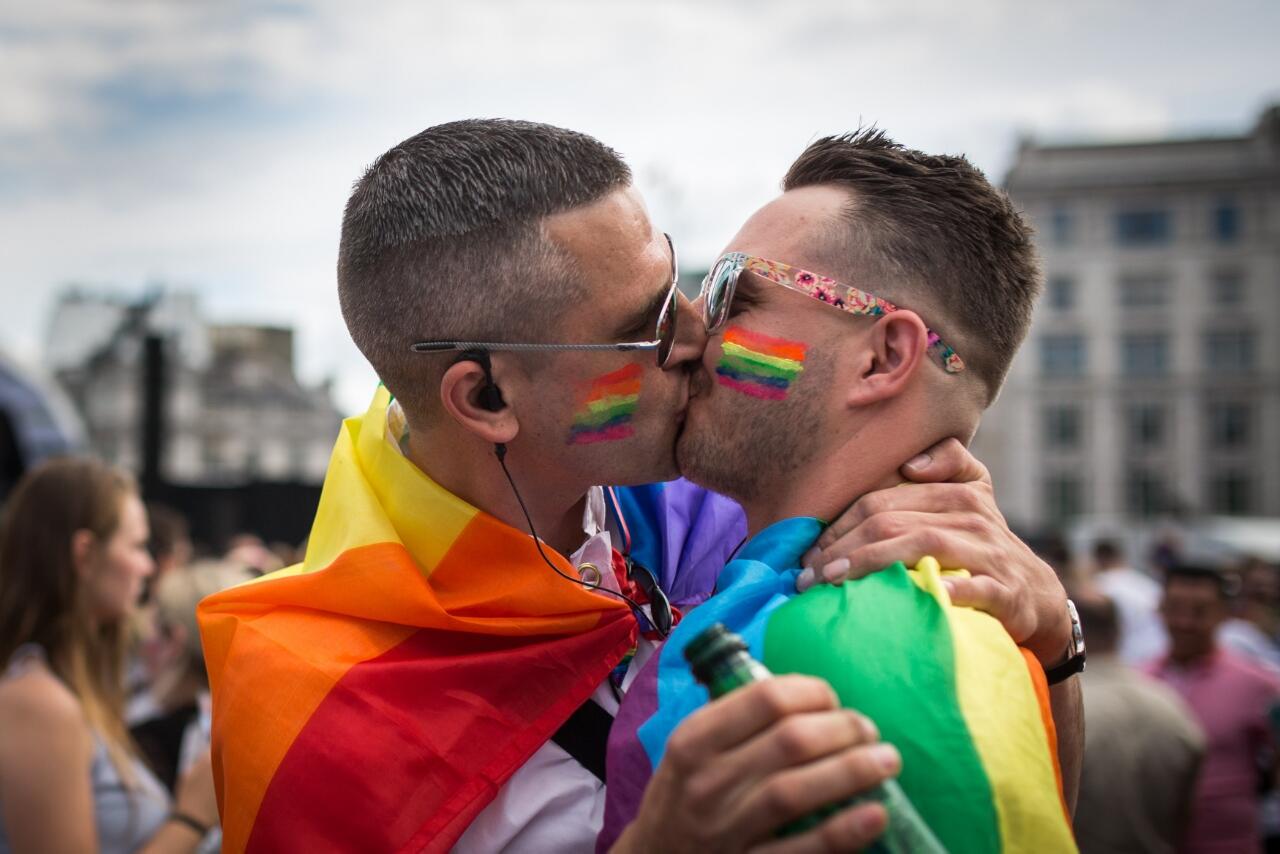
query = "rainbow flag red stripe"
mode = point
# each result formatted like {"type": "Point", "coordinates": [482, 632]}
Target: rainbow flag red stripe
{"type": "Point", "coordinates": [377, 696]}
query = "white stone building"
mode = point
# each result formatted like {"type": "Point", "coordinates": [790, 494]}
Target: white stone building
{"type": "Point", "coordinates": [1149, 385]}
{"type": "Point", "coordinates": [234, 411]}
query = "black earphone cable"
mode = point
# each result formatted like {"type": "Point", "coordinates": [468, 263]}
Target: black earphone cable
{"type": "Point", "coordinates": [500, 451]}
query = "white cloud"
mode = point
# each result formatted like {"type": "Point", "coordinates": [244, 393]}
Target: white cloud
{"type": "Point", "coordinates": [234, 131]}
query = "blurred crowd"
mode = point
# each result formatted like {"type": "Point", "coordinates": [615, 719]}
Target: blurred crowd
{"type": "Point", "coordinates": [1182, 701]}
{"type": "Point", "coordinates": [103, 669]}
{"type": "Point", "coordinates": [101, 666]}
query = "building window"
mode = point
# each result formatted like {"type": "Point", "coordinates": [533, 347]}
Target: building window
{"type": "Point", "coordinates": [1231, 494]}
{"type": "Point", "coordinates": [1062, 293]}
{"type": "Point", "coordinates": [1144, 493]}
{"type": "Point", "coordinates": [1226, 222]}
{"type": "Point", "coordinates": [1062, 227]}
{"type": "Point", "coordinates": [1227, 287]}
{"type": "Point", "coordinates": [1144, 290]}
{"type": "Point", "coordinates": [1145, 423]}
{"type": "Point", "coordinates": [1229, 351]}
{"type": "Point", "coordinates": [1230, 425]}
{"type": "Point", "coordinates": [1062, 355]}
{"type": "Point", "coordinates": [1063, 497]}
{"type": "Point", "coordinates": [1144, 354]}
{"type": "Point", "coordinates": [1150, 227]}
{"type": "Point", "coordinates": [1062, 427]}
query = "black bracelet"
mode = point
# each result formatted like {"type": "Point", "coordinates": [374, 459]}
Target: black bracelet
{"type": "Point", "coordinates": [183, 818]}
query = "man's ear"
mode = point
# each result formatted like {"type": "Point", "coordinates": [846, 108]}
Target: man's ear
{"type": "Point", "coordinates": [893, 352]}
{"type": "Point", "coordinates": [462, 394]}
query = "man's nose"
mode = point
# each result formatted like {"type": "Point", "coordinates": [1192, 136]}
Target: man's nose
{"type": "Point", "coordinates": [691, 334]}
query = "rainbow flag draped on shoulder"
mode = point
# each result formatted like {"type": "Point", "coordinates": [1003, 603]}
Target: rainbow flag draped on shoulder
{"type": "Point", "coordinates": [377, 696]}
{"type": "Point", "coordinates": [966, 707]}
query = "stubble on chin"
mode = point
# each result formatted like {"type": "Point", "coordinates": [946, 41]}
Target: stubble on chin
{"type": "Point", "coordinates": [742, 447]}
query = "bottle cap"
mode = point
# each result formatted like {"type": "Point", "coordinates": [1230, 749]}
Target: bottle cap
{"type": "Point", "coordinates": [711, 645]}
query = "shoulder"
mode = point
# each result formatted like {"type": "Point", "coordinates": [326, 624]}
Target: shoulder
{"type": "Point", "coordinates": [1250, 673]}
{"type": "Point", "coordinates": [36, 701]}
{"type": "Point", "coordinates": [1164, 706]}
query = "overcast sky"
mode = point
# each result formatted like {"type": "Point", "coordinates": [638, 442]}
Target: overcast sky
{"type": "Point", "coordinates": [211, 145]}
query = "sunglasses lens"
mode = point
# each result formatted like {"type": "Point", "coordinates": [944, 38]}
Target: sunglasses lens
{"type": "Point", "coordinates": [719, 291]}
{"type": "Point", "coordinates": [667, 327]}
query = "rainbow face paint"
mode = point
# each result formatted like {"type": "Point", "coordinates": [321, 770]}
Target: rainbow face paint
{"type": "Point", "coordinates": [758, 365]}
{"type": "Point", "coordinates": [607, 407]}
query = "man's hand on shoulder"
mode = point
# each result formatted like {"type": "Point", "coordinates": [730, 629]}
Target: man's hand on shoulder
{"type": "Point", "coordinates": [950, 512]}
{"type": "Point", "coordinates": [748, 763]}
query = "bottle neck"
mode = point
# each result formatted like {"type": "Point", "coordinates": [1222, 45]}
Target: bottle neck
{"type": "Point", "coordinates": [732, 672]}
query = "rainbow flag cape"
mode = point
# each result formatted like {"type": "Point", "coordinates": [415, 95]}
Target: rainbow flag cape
{"type": "Point", "coordinates": [377, 696]}
{"type": "Point", "coordinates": [966, 707]}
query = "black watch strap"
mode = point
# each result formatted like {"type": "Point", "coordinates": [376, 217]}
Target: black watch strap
{"type": "Point", "coordinates": [1065, 670]}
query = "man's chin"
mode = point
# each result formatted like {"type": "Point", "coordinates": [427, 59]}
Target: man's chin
{"type": "Point", "coordinates": [691, 452]}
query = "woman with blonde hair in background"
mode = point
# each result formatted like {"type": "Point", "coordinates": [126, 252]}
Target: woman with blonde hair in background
{"type": "Point", "coordinates": [73, 557]}
{"type": "Point", "coordinates": [180, 688]}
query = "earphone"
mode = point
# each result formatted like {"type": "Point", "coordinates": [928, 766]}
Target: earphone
{"type": "Point", "coordinates": [489, 395]}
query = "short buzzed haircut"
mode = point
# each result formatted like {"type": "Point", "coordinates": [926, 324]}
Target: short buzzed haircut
{"type": "Point", "coordinates": [931, 229]}
{"type": "Point", "coordinates": [442, 239]}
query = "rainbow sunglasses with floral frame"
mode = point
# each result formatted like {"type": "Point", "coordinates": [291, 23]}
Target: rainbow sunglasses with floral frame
{"type": "Point", "coordinates": [719, 285]}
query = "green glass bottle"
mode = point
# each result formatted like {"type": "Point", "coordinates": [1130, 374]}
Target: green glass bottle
{"type": "Point", "coordinates": [720, 661]}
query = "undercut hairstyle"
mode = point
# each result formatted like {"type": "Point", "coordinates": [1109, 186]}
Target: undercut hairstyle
{"type": "Point", "coordinates": [932, 229]}
{"type": "Point", "coordinates": [442, 239]}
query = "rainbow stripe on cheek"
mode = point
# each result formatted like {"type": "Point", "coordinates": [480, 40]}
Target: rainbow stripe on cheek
{"type": "Point", "coordinates": [758, 365]}
{"type": "Point", "coordinates": [607, 408]}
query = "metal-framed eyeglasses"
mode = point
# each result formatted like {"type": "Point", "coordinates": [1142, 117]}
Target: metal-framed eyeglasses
{"type": "Point", "coordinates": [663, 342]}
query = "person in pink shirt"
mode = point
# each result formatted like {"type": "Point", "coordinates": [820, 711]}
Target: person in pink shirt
{"type": "Point", "coordinates": [1231, 699]}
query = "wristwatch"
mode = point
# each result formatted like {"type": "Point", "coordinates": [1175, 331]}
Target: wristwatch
{"type": "Point", "coordinates": [1074, 662]}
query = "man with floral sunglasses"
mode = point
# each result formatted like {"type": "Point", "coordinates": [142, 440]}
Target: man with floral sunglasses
{"type": "Point", "coordinates": [506, 283]}
{"type": "Point", "coordinates": [869, 312]}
